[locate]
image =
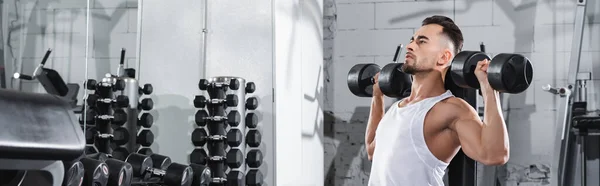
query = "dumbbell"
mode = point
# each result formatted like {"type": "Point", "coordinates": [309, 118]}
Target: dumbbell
{"type": "Point", "coordinates": [95, 172]}
{"type": "Point", "coordinates": [202, 175]}
{"type": "Point", "coordinates": [90, 132]}
{"type": "Point", "coordinates": [120, 101]}
{"type": "Point", "coordinates": [119, 117]}
{"type": "Point", "coordinates": [146, 120]}
{"type": "Point", "coordinates": [120, 136]}
{"type": "Point", "coordinates": [199, 137]}
{"type": "Point", "coordinates": [251, 120]}
{"type": "Point", "coordinates": [74, 173]}
{"type": "Point", "coordinates": [393, 82]}
{"type": "Point", "coordinates": [90, 84]}
{"type": "Point", "coordinates": [231, 100]}
{"type": "Point", "coordinates": [174, 174]}
{"type": "Point", "coordinates": [253, 138]}
{"type": "Point", "coordinates": [120, 153]}
{"type": "Point", "coordinates": [148, 89]}
{"type": "Point", "coordinates": [145, 138]}
{"type": "Point", "coordinates": [251, 103]}
{"type": "Point", "coordinates": [233, 84]}
{"type": "Point", "coordinates": [198, 156]}
{"type": "Point", "coordinates": [254, 178]}
{"type": "Point", "coordinates": [145, 151]}
{"type": "Point", "coordinates": [146, 104]}
{"type": "Point", "coordinates": [250, 87]}
{"type": "Point", "coordinates": [120, 173]}
{"type": "Point", "coordinates": [507, 73]}
{"type": "Point", "coordinates": [234, 137]}
{"type": "Point", "coordinates": [233, 118]}
{"type": "Point", "coordinates": [234, 158]}
{"type": "Point", "coordinates": [254, 158]}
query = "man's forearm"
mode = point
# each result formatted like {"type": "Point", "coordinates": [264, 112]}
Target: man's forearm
{"type": "Point", "coordinates": [494, 133]}
{"type": "Point", "coordinates": [375, 115]}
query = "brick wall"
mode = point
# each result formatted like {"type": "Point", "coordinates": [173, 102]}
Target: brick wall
{"type": "Point", "coordinates": [368, 31]}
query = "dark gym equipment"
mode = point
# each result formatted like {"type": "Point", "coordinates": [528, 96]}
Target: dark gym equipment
{"type": "Point", "coordinates": [146, 120]}
{"type": "Point", "coordinates": [160, 161]}
{"type": "Point", "coordinates": [90, 132]}
{"type": "Point", "coordinates": [145, 138]}
{"type": "Point", "coordinates": [254, 158]}
{"type": "Point", "coordinates": [198, 156]}
{"type": "Point", "coordinates": [361, 79]}
{"type": "Point", "coordinates": [234, 137]}
{"type": "Point", "coordinates": [146, 104]}
{"type": "Point", "coordinates": [251, 103]}
{"type": "Point", "coordinates": [231, 100]}
{"type": "Point", "coordinates": [120, 153]}
{"type": "Point", "coordinates": [199, 117]}
{"type": "Point", "coordinates": [175, 174]}
{"type": "Point", "coordinates": [254, 178]}
{"type": "Point", "coordinates": [200, 136]}
{"type": "Point", "coordinates": [120, 173]}
{"type": "Point", "coordinates": [253, 138]}
{"type": "Point", "coordinates": [145, 151]}
{"type": "Point", "coordinates": [90, 149]}
{"type": "Point", "coordinates": [234, 158]}
{"type": "Point", "coordinates": [202, 175]}
{"type": "Point", "coordinates": [233, 118]}
{"type": "Point", "coordinates": [74, 172]}
{"type": "Point", "coordinates": [236, 178]}
{"type": "Point", "coordinates": [119, 117]}
{"type": "Point", "coordinates": [507, 73]}
{"type": "Point", "coordinates": [148, 89]}
{"type": "Point", "coordinates": [120, 136]}
{"type": "Point", "coordinates": [250, 87]}
{"type": "Point", "coordinates": [233, 84]}
{"type": "Point", "coordinates": [120, 101]}
{"type": "Point", "coordinates": [96, 172]}
{"type": "Point", "coordinates": [251, 120]}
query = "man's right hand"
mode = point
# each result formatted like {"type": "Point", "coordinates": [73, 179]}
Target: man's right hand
{"type": "Point", "coordinates": [376, 90]}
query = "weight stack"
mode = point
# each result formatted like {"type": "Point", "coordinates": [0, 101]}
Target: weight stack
{"type": "Point", "coordinates": [142, 137]}
{"type": "Point", "coordinates": [253, 139]}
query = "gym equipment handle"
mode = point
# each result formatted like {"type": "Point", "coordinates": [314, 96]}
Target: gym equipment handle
{"type": "Point", "coordinates": [46, 56]}
{"type": "Point", "coordinates": [398, 50]}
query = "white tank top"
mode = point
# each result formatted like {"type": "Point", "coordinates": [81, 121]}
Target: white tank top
{"type": "Point", "coordinates": [401, 155]}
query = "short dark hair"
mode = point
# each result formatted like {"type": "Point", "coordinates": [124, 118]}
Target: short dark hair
{"type": "Point", "coordinates": [450, 30]}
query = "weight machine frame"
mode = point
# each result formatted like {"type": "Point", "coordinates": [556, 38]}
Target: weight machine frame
{"type": "Point", "coordinates": [564, 139]}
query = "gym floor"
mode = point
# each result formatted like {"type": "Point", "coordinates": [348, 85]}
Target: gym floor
{"type": "Point", "coordinates": [298, 54]}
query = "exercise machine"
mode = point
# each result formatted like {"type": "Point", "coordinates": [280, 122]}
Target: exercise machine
{"type": "Point", "coordinates": [565, 148]}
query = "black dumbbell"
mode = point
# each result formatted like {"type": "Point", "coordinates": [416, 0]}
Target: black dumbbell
{"type": "Point", "coordinates": [200, 136]}
{"type": "Point", "coordinates": [233, 84]}
{"type": "Point", "coordinates": [253, 138]}
{"type": "Point", "coordinates": [251, 103]}
{"type": "Point", "coordinates": [254, 158]}
{"type": "Point", "coordinates": [146, 120]}
{"type": "Point", "coordinates": [200, 117]}
{"type": "Point", "coordinates": [202, 175]}
{"type": "Point", "coordinates": [95, 173]}
{"type": "Point", "coordinates": [120, 153]}
{"type": "Point", "coordinates": [198, 156]}
{"type": "Point", "coordinates": [231, 100]}
{"type": "Point", "coordinates": [90, 134]}
{"type": "Point", "coordinates": [119, 117]}
{"type": "Point", "coordinates": [145, 138]}
{"type": "Point", "coordinates": [119, 101]}
{"type": "Point", "coordinates": [120, 136]}
{"type": "Point", "coordinates": [250, 87]}
{"type": "Point", "coordinates": [236, 178]}
{"type": "Point", "coordinates": [90, 84]}
{"type": "Point", "coordinates": [233, 118]}
{"type": "Point", "coordinates": [148, 89]}
{"type": "Point", "coordinates": [507, 73]}
{"type": "Point", "coordinates": [119, 85]}
{"type": "Point", "coordinates": [129, 72]}
{"type": "Point", "coordinates": [160, 161]}
{"type": "Point", "coordinates": [120, 173]}
{"type": "Point", "coordinates": [145, 151]}
{"type": "Point", "coordinates": [175, 174]}
{"type": "Point", "coordinates": [146, 104]}
{"type": "Point", "coordinates": [251, 120]}
{"type": "Point", "coordinates": [74, 173]}
{"type": "Point", "coordinates": [234, 137]}
{"type": "Point", "coordinates": [234, 158]}
{"type": "Point", "coordinates": [254, 178]}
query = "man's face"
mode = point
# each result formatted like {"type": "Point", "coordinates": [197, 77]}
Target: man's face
{"type": "Point", "coordinates": [424, 50]}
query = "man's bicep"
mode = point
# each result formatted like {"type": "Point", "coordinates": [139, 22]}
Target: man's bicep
{"type": "Point", "coordinates": [469, 135]}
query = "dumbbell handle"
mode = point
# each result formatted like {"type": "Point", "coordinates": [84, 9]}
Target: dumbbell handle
{"type": "Point", "coordinates": [105, 136]}
{"type": "Point", "coordinates": [398, 51]}
{"type": "Point", "coordinates": [218, 180]}
{"type": "Point", "coordinates": [156, 172]}
{"type": "Point", "coordinates": [105, 117]}
{"type": "Point", "coordinates": [215, 101]}
{"type": "Point", "coordinates": [215, 118]}
{"type": "Point", "coordinates": [216, 137]}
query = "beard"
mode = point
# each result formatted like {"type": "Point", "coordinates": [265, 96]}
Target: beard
{"type": "Point", "coordinates": [411, 67]}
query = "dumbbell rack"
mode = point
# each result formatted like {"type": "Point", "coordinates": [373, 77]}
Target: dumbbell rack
{"type": "Point", "coordinates": [219, 119]}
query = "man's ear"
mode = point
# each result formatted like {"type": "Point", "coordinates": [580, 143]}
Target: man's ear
{"type": "Point", "coordinates": [446, 58]}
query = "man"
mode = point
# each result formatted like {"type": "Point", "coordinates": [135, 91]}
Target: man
{"type": "Point", "coordinates": [413, 143]}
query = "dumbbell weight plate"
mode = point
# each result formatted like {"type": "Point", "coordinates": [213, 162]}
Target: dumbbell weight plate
{"type": "Point", "coordinates": [253, 138]}
{"type": "Point", "coordinates": [120, 172]}
{"type": "Point", "coordinates": [510, 73]}
{"type": "Point", "coordinates": [234, 137]}
{"type": "Point", "coordinates": [145, 138]}
{"type": "Point", "coordinates": [233, 118]}
{"type": "Point", "coordinates": [463, 67]}
{"type": "Point", "coordinates": [139, 163]}
{"type": "Point", "coordinates": [393, 82]}
{"type": "Point", "coordinates": [254, 158]}
{"type": "Point", "coordinates": [198, 156]}
{"type": "Point", "coordinates": [96, 172]}
{"type": "Point", "coordinates": [160, 161]}
{"type": "Point", "coordinates": [199, 117]}
{"type": "Point", "coordinates": [145, 151]}
{"type": "Point", "coordinates": [120, 117]}
{"type": "Point", "coordinates": [146, 120]}
{"type": "Point", "coordinates": [120, 136]}
{"type": "Point", "coordinates": [360, 78]}
{"type": "Point", "coordinates": [146, 104]}
{"type": "Point", "coordinates": [250, 87]}
{"type": "Point", "coordinates": [178, 174]}
{"type": "Point", "coordinates": [199, 137]}
{"type": "Point", "coordinates": [254, 178]}
{"type": "Point", "coordinates": [74, 173]}
{"type": "Point", "coordinates": [202, 174]}
{"type": "Point", "coordinates": [234, 158]}
{"type": "Point", "coordinates": [251, 120]}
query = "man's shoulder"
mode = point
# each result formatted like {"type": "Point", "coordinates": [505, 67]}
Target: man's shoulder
{"type": "Point", "coordinates": [457, 107]}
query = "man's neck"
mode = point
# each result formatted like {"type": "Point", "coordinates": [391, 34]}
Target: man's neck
{"type": "Point", "coordinates": [425, 85]}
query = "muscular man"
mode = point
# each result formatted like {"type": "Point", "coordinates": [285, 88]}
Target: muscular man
{"type": "Point", "coordinates": [413, 143]}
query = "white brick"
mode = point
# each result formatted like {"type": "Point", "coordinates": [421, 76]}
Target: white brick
{"type": "Point", "coordinates": [410, 14]}
{"type": "Point", "coordinates": [62, 4]}
{"type": "Point", "coordinates": [549, 65]}
{"type": "Point", "coordinates": [553, 38]}
{"type": "Point", "coordinates": [110, 46]}
{"type": "Point", "coordinates": [589, 63]}
{"type": "Point", "coordinates": [68, 21]}
{"type": "Point", "coordinates": [591, 39]}
{"type": "Point", "coordinates": [473, 12]}
{"type": "Point", "coordinates": [109, 20]}
{"type": "Point", "coordinates": [370, 42]}
{"type": "Point", "coordinates": [62, 45]}
{"type": "Point", "coordinates": [132, 17]}
{"type": "Point", "coordinates": [514, 12]}
{"type": "Point", "coordinates": [554, 12]}
{"type": "Point", "coordinates": [497, 39]}
{"type": "Point", "coordinates": [533, 131]}
{"type": "Point", "coordinates": [37, 20]}
{"type": "Point", "coordinates": [100, 4]}
{"type": "Point", "coordinates": [355, 16]}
